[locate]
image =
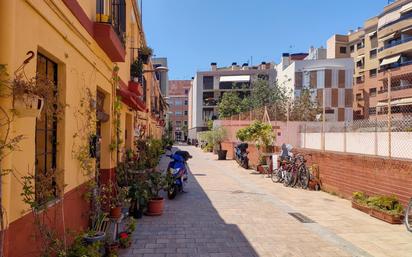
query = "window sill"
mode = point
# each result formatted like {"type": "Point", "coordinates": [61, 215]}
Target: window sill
{"type": "Point", "coordinates": [47, 205]}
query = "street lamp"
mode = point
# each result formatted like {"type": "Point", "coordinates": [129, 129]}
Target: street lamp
{"type": "Point", "coordinates": [157, 69]}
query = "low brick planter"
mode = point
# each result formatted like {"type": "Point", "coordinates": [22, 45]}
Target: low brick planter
{"type": "Point", "coordinates": [392, 219]}
{"type": "Point", "coordinates": [361, 208]}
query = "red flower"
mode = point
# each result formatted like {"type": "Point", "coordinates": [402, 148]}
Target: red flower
{"type": "Point", "coordinates": [124, 235]}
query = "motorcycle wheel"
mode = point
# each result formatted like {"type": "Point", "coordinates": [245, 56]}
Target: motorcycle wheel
{"type": "Point", "coordinates": [172, 192]}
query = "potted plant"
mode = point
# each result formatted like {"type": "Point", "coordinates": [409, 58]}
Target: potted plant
{"type": "Point", "coordinates": [156, 183]}
{"type": "Point", "coordinates": [139, 195]}
{"type": "Point", "coordinates": [125, 200]}
{"type": "Point", "coordinates": [28, 105]}
{"type": "Point", "coordinates": [80, 248]}
{"type": "Point", "coordinates": [219, 135]}
{"type": "Point", "coordinates": [144, 54]}
{"type": "Point", "coordinates": [112, 200]}
{"type": "Point", "coordinates": [125, 240]}
{"type": "Point", "coordinates": [136, 70]}
{"type": "Point", "coordinates": [359, 202]}
{"type": "Point", "coordinates": [131, 226]}
{"type": "Point", "coordinates": [96, 233]}
{"type": "Point", "coordinates": [112, 248]}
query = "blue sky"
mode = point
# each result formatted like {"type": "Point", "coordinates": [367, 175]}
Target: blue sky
{"type": "Point", "coordinates": [194, 33]}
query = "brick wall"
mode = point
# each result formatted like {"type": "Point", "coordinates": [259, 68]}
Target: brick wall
{"type": "Point", "coordinates": [344, 173]}
{"type": "Point", "coordinates": [252, 149]}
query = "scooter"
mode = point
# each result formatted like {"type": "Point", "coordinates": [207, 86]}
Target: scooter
{"type": "Point", "coordinates": [241, 155]}
{"type": "Point", "coordinates": [177, 173]}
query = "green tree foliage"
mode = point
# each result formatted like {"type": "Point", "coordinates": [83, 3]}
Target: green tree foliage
{"type": "Point", "coordinates": [229, 105]}
{"type": "Point", "coordinates": [305, 108]}
{"type": "Point", "coordinates": [259, 133]}
{"type": "Point", "coordinates": [263, 93]}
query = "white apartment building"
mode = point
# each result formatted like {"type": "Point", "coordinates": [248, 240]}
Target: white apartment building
{"type": "Point", "coordinates": [209, 86]}
{"type": "Point", "coordinates": [329, 80]}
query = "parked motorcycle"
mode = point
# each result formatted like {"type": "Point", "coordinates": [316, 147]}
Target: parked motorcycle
{"type": "Point", "coordinates": [177, 171]}
{"type": "Point", "coordinates": [241, 155]}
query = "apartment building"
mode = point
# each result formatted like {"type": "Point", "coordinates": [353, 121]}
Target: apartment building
{"type": "Point", "coordinates": [209, 86]}
{"type": "Point", "coordinates": [178, 100]}
{"type": "Point", "coordinates": [381, 48]}
{"type": "Point", "coordinates": [329, 81]}
{"type": "Point", "coordinates": [81, 47]}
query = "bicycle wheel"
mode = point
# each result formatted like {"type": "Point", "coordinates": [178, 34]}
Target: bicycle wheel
{"type": "Point", "coordinates": [408, 216]}
{"type": "Point", "coordinates": [303, 176]}
{"type": "Point", "coordinates": [293, 176]}
{"type": "Point", "coordinates": [276, 175]}
{"type": "Point", "coordinates": [287, 177]}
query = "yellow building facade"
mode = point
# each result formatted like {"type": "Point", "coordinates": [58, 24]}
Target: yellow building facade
{"type": "Point", "coordinates": [79, 45]}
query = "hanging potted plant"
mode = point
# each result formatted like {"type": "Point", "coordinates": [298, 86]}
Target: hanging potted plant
{"type": "Point", "coordinates": [144, 54]}
{"type": "Point", "coordinates": [156, 183]}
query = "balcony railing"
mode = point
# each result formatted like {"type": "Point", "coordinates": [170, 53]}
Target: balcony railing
{"type": "Point", "coordinates": [395, 43]}
{"type": "Point", "coordinates": [395, 65]}
{"type": "Point", "coordinates": [210, 102]}
{"type": "Point", "coordinates": [395, 88]}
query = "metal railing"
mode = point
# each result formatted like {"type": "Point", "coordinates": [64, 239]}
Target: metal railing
{"type": "Point", "coordinates": [395, 88]}
{"type": "Point", "coordinates": [113, 12]}
{"type": "Point", "coordinates": [395, 43]}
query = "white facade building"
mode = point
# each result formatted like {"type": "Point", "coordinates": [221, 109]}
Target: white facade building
{"type": "Point", "coordinates": [329, 80]}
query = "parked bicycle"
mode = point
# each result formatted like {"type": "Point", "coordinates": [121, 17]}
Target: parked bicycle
{"type": "Point", "coordinates": [408, 216]}
{"type": "Point", "coordinates": [292, 171]}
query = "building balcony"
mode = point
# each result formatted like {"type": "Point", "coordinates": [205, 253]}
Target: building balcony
{"type": "Point", "coordinates": [109, 41]}
{"type": "Point", "coordinates": [109, 28]}
{"type": "Point", "coordinates": [136, 87]}
{"type": "Point", "coordinates": [401, 46]}
{"type": "Point", "coordinates": [396, 93]}
{"type": "Point", "coordinates": [398, 69]}
{"type": "Point", "coordinates": [130, 98]}
{"type": "Point", "coordinates": [211, 102]}
{"type": "Point", "coordinates": [395, 43]}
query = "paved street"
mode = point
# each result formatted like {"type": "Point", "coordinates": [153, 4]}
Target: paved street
{"type": "Point", "coordinates": [233, 212]}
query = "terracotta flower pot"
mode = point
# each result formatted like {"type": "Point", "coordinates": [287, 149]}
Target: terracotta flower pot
{"type": "Point", "coordinates": [155, 207]}
{"type": "Point", "coordinates": [221, 154]}
{"type": "Point", "coordinates": [116, 212]}
{"type": "Point", "coordinates": [112, 248]}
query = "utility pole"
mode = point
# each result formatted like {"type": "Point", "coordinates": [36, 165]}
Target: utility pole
{"type": "Point", "coordinates": [389, 114]}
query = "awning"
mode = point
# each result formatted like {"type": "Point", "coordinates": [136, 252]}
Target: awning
{"type": "Point", "coordinates": [406, 29]}
{"type": "Point", "coordinates": [242, 78]}
{"type": "Point", "coordinates": [388, 18]}
{"type": "Point", "coordinates": [390, 60]}
{"type": "Point", "coordinates": [385, 38]}
{"type": "Point", "coordinates": [398, 102]}
{"type": "Point", "coordinates": [372, 34]}
{"type": "Point", "coordinates": [406, 8]}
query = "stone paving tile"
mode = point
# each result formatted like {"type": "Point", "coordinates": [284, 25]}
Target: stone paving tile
{"type": "Point", "coordinates": [231, 212]}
